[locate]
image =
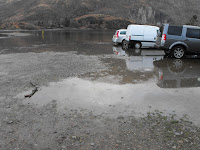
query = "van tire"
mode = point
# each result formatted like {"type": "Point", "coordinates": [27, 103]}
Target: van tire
{"type": "Point", "coordinates": [125, 45]}
{"type": "Point", "coordinates": [137, 45]}
{"type": "Point", "coordinates": [178, 51]}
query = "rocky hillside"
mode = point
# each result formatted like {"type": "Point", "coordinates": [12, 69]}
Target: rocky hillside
{"type": "Point", "coordinates": [61, 13]}
{"type": "Point", "coordinates": [100, 21]}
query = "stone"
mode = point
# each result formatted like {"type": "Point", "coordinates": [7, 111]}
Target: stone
{"type": "Point", "coordinates": [174, 147]}
{"type": "Point", "coordinates": [118, 141]}
{"type": "Point", "coordinates": [92, 144]}
{"type": "Point", "coordinates": [73, 137]}
{"type": "Point", "coordinates": [177, 134]}
{"type": "Point", "coordinates": [180, 141]}
{"type": "Point", "coordinates": [63, 147]}
{"type": "Point", "coordinates": [120, 117]}
{"type": "Point", "coordinates": [10, 122]}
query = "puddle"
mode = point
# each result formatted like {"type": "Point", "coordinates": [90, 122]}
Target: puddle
{"type": "Point", "coordinates": [115, 100]}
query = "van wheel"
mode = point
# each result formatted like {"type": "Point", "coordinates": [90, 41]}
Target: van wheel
{"type": "Point", "coordinates": [137, 45]}
{"type": "Point", "coordinates": [124, 45]}
{"type": "Point", "coordinates": [178, 51]}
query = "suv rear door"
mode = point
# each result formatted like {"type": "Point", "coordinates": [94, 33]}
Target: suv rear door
{"type": "Point", "coordinates": [193, 39]}
{"type": "Point", "coordinates": [173, 35]}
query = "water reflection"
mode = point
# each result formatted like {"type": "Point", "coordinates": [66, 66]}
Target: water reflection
{"type": "Point", "coordinates": [178, 73]}
{"type": "Point", "coordinates": [55, 37]}
{"type": "Point", "coordinates": [137, 59]}
{"type": "Point", "coordinates": [119, 51]}
{"type": "Point", "coordinates": [170, 73]}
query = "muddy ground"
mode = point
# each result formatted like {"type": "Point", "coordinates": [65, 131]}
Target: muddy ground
{"type": "Point", "coordinates": [91, 100]}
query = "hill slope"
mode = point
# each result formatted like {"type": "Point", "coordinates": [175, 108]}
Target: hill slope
{"type": "Point", "coordinates": [53, 13]}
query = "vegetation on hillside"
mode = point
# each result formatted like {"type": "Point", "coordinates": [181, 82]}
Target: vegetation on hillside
{"type": "Point", "coordinates": [100, 21]}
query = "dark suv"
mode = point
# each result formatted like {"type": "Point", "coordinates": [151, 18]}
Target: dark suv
{"type": "Point", "coordinates": [179, 40]}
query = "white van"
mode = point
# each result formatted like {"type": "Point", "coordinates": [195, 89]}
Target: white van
{"type": "Point", "coordinates": [138, 36]}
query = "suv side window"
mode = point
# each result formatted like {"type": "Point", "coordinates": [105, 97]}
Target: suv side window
{"type": "Point", "coordinates": [123, 32]}
{"type": "Point", "coordinates": [193, 33]}
{"type": "Point", "coordinates": [175, 30]}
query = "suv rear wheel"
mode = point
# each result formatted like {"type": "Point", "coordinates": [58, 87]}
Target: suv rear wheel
{"type": "Point", "coordinates": [178, 51]}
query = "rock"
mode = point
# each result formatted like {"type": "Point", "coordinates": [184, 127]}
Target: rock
{"type": "Point", "coordinates": [177, 134]}
{"type": "Point", "coordinates": [63, 147]}
{"type": "Point", "coordinates": [120, 117]}
{"type": "Point", "coordinates": [180, 141]}
{"type": "Point", "coordinates": [92, 144]}
{"type": "Point", "coordinates": [118, 141]}
{"type": "Point", "coordinates": [174, 147]}
{"type": "Point", "coordinates": [73, 137]}
{"type": "Point", "coordinates": [10, 122]}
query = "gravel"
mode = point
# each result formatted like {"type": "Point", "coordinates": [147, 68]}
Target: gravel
{"type": "Point", "coordinates": [18, 70]}
{"type": "Point", "coordinates": [26, 126]}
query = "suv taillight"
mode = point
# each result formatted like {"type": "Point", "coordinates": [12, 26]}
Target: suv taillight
{"type": "Point", "coordinates": [164, 37]}
{"type": "Point", "coordinates": [129, 38]}
{"type": "Point", "coordinates": [117, 33]}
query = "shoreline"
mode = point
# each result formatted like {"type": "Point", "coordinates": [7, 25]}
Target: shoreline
{"type": "Point", "coordinates": [55, 29]}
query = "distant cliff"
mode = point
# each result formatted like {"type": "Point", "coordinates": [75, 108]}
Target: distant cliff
{"type": "Point", "coordinates": [34, 14]}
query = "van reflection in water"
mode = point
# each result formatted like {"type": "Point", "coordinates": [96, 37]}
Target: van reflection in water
{"type": "Point", "coordinates": [176, 73]}
{"type": "Point", "coordinates": [138, 59]}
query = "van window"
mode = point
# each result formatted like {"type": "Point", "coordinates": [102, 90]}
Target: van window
{"type": "Point", "coordinates": [123, 32]}
{"type": "Point", "coordinates": [193, 33]}
{"type": "Point", "coordinates": [175, 30]}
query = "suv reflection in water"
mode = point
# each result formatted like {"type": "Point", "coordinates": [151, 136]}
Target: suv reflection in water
{"type": "Point", "coordinates": [176, 73]}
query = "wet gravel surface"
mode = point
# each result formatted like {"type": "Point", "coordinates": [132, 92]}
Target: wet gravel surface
{"type": "Point", "coordinates": [18, 70]}
{"type": "Point", "coordinates": [86, 114]}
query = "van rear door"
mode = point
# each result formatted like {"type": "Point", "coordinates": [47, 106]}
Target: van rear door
{"type": "Point", "coordinates": [150, 34]}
